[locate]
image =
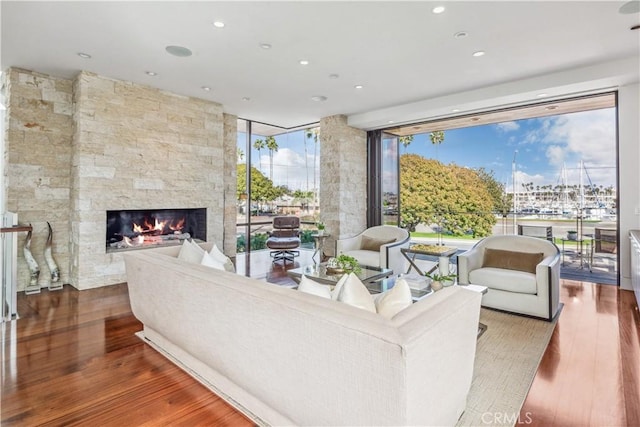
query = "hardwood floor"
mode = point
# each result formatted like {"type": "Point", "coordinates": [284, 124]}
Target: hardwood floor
{"type": "Point", "coordinates": [72, 359]}
{"type": "Point", "coordinates": [590, 372]}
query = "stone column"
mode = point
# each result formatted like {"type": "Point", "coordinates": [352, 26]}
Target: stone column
{"type": "Point", "coordinates": [343, 179]}
{"type": "Point", "coordinates": [230, 183]}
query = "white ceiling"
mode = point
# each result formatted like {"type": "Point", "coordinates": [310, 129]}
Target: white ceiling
{"type": "Point", "coordinates": [400, 52]}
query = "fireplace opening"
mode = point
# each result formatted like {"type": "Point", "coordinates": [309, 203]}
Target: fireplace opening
{"type": "Point", "coordinates": [137, 229]}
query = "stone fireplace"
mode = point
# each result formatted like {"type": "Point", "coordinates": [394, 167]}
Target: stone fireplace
{"type": "Point", "coordinates": [79, 150]}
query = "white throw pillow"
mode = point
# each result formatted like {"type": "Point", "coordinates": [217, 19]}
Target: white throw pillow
{"type": "Point", "coordinates": [312, 287]}
{"type": "Point", "coordinates": [191, 252]}
{"type": "Point", "coordinates": [210, 261]}
{"type": "Point", "coordinates": [219, 256]}
{"type": "Point", "coordinates": [338, 287]}
{"type": "Point", "coordinates": [393, 301]}
{"type": "Point", "coordinates": [355, 293]}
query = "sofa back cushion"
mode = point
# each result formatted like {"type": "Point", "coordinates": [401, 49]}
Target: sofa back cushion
{"type": "Point", "coordinates": [512, 260]}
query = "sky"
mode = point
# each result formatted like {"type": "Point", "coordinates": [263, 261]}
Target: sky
{"type": "Point", "coordinates": [541, 147]}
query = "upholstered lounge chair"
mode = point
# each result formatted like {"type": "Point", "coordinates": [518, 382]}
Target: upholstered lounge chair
{"type": "Point", "coordinates": [377, 246]}
{"type": "Point", "coordinates": [521, 272]}
{"type": "Point", "coordinates": [284, 238]}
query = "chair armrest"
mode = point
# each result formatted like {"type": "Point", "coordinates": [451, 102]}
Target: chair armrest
{"type": "Point", "coordinates": [391, 256]}
{"type": "Point", "coordinates": [548, 282]}
{"type": "Point", "coordinates": [348, 244]}
{"type": "Point", "coordinates": [467, 262]}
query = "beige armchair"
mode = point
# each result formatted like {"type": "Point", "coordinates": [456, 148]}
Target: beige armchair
{"type": "Point", "coordinates": [377, 246]}
{"type": "Point", "coordinates": [522, 274]}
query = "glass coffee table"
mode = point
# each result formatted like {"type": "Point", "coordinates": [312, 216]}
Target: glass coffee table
{"type": "Point", "coordinates": [319, 273]}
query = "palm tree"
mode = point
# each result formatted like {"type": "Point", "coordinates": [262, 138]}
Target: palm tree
{"type": "Point", "coordinates": [272, 146]}
{"type": "Point", "coordinates": [406, 141]}
{"type": "Point", "coordinates": [259, 144]}
{"type": "Point", "coordinates": [315, 134]}
{"type": "Point", "coordinates": [437, 138]}
{"type": "Point", "coordinates": [240, 155]}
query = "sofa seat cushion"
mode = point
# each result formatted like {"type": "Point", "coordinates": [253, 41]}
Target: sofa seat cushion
{"type": "Point", "coordinates": [505, 280]}
{"type": "Point", "coordinates": [371, 258]}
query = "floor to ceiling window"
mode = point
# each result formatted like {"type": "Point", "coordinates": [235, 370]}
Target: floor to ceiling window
{"type": "Point", "coordinates": [549, 168]}
{"type": "Point", "coordinates": [284, 179]}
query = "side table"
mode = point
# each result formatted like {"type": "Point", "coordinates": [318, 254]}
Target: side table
{"type": "Point", "coordinates": [437, 252]}
{"type": "Point", "coordinates": [319, 245]}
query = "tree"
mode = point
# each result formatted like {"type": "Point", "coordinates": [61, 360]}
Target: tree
{"type": "Point", "coordinates": [451, 196]}
{"type": "Point", "coordinates": [272, 146]}
{"type": "Point", "coordinates": [406, 141]}
{"type": "Point", "coordinates": [314, 133]}
{"type": "Point", "coordinates": [240, 155]}
{"type": "Point", "coordinates": [259, 144]}
{"type": "Point", "coordinates": [262, 188]}
{"type": "Point", "coordinates": [437, 138]}
{"type": "Point", "coordinates": [501, 200]}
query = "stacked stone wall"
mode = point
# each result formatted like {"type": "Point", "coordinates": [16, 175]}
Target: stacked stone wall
{"type": "Point", "coordinates": [75, 149]}
{"type": "Point", "coordinates": [137, 147]}
{"type": "Point", "coordinates": [38, 159]}
{"type": "Point", "coordinates": [343, 179]}
{"type": "Point", "coordinates": [230, 183]}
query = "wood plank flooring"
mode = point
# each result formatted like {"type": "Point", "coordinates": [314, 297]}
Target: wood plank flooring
{"type": "Point", "coordinates": [72, 359]}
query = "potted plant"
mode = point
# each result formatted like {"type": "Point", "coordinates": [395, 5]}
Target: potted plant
{"type": "Point", "coordinates": [343, 264]}
{"type": "Point", "coordinates": [439, 280]}
{"type": "Point", "coordinates": [321, 227]}
{"type": "Point", "coordinates": [572, 235]}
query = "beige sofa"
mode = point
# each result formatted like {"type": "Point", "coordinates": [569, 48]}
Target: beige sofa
{"type": "Point", "coordinates": [289, 358]}
{"type": "Point", "coordinates": [534, 293]}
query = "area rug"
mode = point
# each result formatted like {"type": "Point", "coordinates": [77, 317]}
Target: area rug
{"type": "Point", "coordinates": [507, 358]}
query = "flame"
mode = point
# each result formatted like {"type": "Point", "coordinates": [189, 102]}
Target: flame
{"type": "Point", "coordinates": [174, 225]}
{"type": "Point", "coordinates": [178, 226]}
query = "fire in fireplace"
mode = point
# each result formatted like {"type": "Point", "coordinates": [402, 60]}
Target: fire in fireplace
{"type": "Point", "coordinates": [128, 229]}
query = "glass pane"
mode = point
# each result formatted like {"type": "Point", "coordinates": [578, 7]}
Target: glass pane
{"type": "Point", "coordinates": [285, 177]}
{"type": "Point", "coordinates": [389, 175]}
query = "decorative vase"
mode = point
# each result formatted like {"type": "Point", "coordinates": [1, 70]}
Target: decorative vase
{"type": "Point", "coordinates": [572, 235]}
{"type": "Point", "coordinates": [436, 285]}
{"type": "Point", "coordinates": [321, 232]}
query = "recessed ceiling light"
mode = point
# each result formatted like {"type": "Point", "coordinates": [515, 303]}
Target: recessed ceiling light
{"type": "Point", "coordinates": [151, 73]}
{"type": "Point", "coordinates": [206, 88]}
{"type": "Point", "coordinates": [84, 55]}
{"type": "Point", "coordinates": [630, 7]}
{"type": "Point", "coordinates": [304, 62]}
{"type": "Point", "coordinates": [478, 53]}
{"type": "Point", "coordinates": [438, 9]}
{"type": "Point", "coordinates": [358, 86]}
{"type": "Point", "coordinates": [542, 95]}
{"type": "Point", "coordinates": [265, 45]}
{"type": "Point", "coordinates": [461, 34]}
{"type": "Point", "coordinates": [390, 121]}
{"type": "Point", "coordinates": [218, 24]}
{"type": "Point", "coordinates": [551, 107]}
{"type": "Point", "coordinates": [455, 110]}
{"type": "Point", "coordinates": [319, 98]}
{"type": "Point", "coordinates": [333, 76]}
{"type": "Point", "coordinates": [246, 98]}
{"type": "Point", "coordinates": [180, 51]}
